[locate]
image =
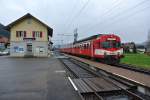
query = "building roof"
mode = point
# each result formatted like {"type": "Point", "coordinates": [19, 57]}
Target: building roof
{"type": "Point", "coordinates": [28, 15]}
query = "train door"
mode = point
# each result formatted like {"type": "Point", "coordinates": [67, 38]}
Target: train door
{"type": "Point", "coordinates": [92, 49]}
{"type": "Point", "coordinates": [96, 46]}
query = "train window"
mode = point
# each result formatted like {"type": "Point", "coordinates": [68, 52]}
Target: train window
{"type": "Point", "coordinates": [116, 44]}
{"type": "Point", "coordinates": [87, 46]}
{"type": "Point", "coordinates": [106, 45]}
{"type": "Point", "coordinates": [84, 46]}
{"type": "Point", "coordinates": [80, 46]}
{"type": "Point", "coordinates": [111, 44]}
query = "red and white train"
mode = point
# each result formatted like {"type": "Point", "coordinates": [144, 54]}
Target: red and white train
{"type": "Point", "coordinates": [105, 47]}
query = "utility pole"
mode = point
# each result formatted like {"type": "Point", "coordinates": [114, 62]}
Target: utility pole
{"type": "Point", "coordinates": [75, 34]}
{"type": "Point", "coordinates": [148, 42]}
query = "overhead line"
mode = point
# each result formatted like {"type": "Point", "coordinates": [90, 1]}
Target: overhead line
{"type": "Point", "coordinates": [111, 9]}
{"type": "Point", "coordinates": [129, 16]}
{"type": "Point", "coordinates": [108, 12]}
{"type": "Point", "coordinates": [74, 7]}
{"type": "Point", "coordinates": [121, 13]}
{"type": "Point", "coordinates": [78, 14]}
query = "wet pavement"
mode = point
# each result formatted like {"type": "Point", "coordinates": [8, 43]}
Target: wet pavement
{"type": "Point", "coordinates": [34, 79]}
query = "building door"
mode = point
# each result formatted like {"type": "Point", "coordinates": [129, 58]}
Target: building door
{"type": "Point", "coordinates": [29, 52]}
{"type": "Point", "coordinates": [29, 47]}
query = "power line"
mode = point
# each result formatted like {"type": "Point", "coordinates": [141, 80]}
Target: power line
{"type": "Point", "coordinates": [108, 11]}
{"type": "Point", "coordinates": [74, 7]}
{"type": "Point", "coordinates": [78, 14]}
{"type": "Point", "coordinates": [120, 14]}
{"type": "Point", "coordinates": [129, 16]}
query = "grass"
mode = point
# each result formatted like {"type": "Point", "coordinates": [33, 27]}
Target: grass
{"type": "Point", "coordinates": [140, 60]}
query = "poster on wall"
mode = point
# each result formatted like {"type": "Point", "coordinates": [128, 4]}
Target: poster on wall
{"type": "Point", "coordinates": [18, 49]}
{"type": "Point", "coordinates": [37, 50]}
{"type": "Point", "coordinates": [40, 49]}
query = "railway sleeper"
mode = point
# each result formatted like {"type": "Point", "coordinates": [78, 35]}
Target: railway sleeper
{"type": "Point", "coordinates": [123, 86]}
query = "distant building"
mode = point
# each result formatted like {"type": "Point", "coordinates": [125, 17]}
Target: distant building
{"type": "Point", "coordinates": [4, 37]}
{"type": "Point", "coordinates": [29, 37]}
{"type": "Point", "coordinates": [140, 48]}
{"type": "Point", "coordinates": [129, 47]}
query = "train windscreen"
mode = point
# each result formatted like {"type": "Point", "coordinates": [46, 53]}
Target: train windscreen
{"type": "Point", "coordinates": [110, 44]}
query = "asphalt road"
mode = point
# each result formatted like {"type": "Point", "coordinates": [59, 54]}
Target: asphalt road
{"type": "Point", "coordinates": [34, 79]}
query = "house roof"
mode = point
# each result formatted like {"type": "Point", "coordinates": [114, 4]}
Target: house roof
{"type": "Point", "coordinates": [28, 15]}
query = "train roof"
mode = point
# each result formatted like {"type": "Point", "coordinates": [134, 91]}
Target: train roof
{"type": "Point", "coordinates": [89, 38]}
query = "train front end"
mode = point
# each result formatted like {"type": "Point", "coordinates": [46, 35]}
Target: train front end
{"type": "Point", "coordinates": [109, 48]}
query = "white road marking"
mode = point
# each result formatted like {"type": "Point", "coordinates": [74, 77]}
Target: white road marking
{"type": "Point", "coordinates": [60, 71]}
{"type": "Point", "coordinates": [129, 79]}
{"type": "Point", "coordinates": [76, 89]}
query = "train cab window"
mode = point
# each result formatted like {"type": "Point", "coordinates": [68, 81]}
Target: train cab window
{"type": "Point", "coordinates": [111, 44]}
{"type": "Point", "coordinates": [106, 45]}
{"type": "Point", "coordinates": [116, 44]}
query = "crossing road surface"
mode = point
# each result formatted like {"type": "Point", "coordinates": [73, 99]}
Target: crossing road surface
{"type": "Point", "coordinates": [34, 79]}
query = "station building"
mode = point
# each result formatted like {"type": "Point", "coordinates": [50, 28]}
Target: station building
{"type": "Point", "coordinates": [29, 37]}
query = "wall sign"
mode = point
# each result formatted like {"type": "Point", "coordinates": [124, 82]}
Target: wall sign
{"type": "Point", "coordinates": [18, 49]}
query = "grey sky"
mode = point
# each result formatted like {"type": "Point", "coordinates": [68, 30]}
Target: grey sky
{"type": "Point", "coordinates": [130, 19]}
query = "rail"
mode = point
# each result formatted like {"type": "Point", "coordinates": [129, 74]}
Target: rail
{"type": "Point", "coordinates": [95, 94]}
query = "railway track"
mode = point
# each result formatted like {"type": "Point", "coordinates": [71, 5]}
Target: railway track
{"type": "Point", "coordinates": [93, 85]}
{"type": "Point", "coordinates": [138, 77]}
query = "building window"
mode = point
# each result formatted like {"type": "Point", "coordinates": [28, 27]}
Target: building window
{"type": "Point", "coordinates": [20, 33]}
{"type": "Point", "coordinates": [37, 34]}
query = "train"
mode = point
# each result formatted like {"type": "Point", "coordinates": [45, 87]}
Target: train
{"type": "Point", "coordinates": [103, 47]}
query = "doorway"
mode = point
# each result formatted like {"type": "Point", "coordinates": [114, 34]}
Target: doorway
{"type": "Point", "coordinates": [29, 47]}
{"type": "Point", "coordinates": [29, 52]}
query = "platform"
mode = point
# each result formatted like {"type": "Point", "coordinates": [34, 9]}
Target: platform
{"type": "Point", "coordinates": [34, 79]}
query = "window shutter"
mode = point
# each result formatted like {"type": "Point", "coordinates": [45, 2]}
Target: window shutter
{"type": "Point", "coordinates": [33, 34]}
{"type": "Point", "coordinates": [25, 34]}
{"type": "Point", "coordinates": [41, 34]}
